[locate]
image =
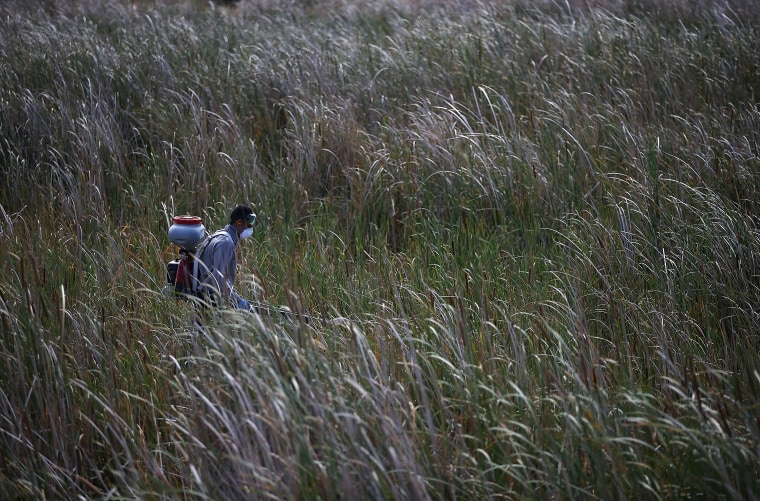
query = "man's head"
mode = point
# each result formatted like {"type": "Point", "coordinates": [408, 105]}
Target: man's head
{"type": "Point", "coordinates": [242, 218]}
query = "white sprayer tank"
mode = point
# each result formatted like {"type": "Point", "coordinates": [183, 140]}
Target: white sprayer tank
{"type": "Point", "coordinates": [186, 232]}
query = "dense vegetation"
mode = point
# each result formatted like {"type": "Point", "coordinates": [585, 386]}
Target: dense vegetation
{"type": "Point", "coordinates": [531, 229]}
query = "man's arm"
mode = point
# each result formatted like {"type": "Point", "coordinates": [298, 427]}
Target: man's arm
{"type": "Point", "coordinates": [228, 266]}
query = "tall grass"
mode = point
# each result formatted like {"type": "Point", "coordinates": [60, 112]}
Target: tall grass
{"type": "Point", "coordinates": [527, 234]}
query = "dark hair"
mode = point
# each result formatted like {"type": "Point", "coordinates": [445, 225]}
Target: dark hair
{"type": "Point", "coordinates": [240, 212]}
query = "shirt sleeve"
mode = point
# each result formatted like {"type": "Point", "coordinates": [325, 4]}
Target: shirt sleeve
{"type": "Point", "coordinates": [222, 266]}
{"type": "Point", "coordinates": [226, 266]}
{"type": "Point", "coordinates": [229, 273]}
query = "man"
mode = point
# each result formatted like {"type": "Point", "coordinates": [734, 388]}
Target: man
{"type": "Point", "coordinates": [216, 259]}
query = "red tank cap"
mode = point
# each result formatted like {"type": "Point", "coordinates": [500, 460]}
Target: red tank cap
{"type": "Point", "coordinates": [187, 220]}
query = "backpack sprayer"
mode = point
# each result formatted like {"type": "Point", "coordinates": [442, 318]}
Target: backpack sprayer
{"type": "Point", "coordinates": [186, 232]}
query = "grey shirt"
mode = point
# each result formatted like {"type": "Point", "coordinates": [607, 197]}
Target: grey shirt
{"type": "Point", "coordinates": [218, 261]}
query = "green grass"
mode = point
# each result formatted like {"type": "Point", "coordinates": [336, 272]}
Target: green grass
{"type": "Point", "coordinates": [529, 231]}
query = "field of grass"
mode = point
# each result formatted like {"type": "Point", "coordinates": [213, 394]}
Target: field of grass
{"type": "Point", "coordinates": [530, 231]}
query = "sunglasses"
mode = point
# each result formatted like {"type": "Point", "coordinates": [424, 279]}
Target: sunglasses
{"type": "Point", "coordinates": [250, 218]}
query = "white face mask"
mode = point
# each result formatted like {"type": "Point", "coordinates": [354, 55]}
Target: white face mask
{"type": "Point", "coordinates": [246, 233]}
